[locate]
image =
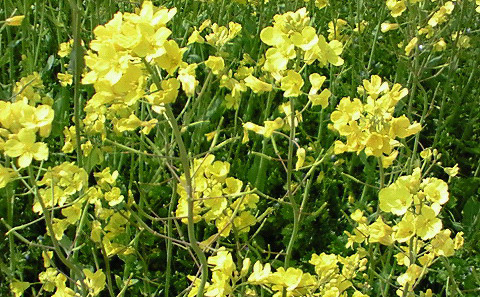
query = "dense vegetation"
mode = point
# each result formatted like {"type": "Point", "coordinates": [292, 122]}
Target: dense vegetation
{"type": "Point", "coordinates": [239, 148]}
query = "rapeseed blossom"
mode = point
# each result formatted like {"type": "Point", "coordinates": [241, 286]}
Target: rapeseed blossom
{"type": "Point", "coordinates": [15, 20]}
{"type": "Point", "coordinates": [218, 198]}
{"type": "Point", "coordinates": [371, 126]}
{"type": "Point", "coordinates": [419, 232]}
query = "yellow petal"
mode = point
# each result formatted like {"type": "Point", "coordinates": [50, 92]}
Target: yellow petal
{"type": "Point", "coordinates": [25, 160]}
{"type": "Point", "coordinates": [15, 21]}
{"type": "Point", "coordinates": [320, 99]}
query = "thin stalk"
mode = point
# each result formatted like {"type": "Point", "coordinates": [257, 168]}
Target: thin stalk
{"type": "Point", "coordinates": [10, 210]}
{"type": "Point", "coordinates": [107, 270]}
{"type": "Point", "coordinates": [184, 160]}
{"type": "Point", "coordinates": [375, 38]}
{"type": "Point", "coordinates": [382, 173]}
{"type": "Point", "coordinates": [78, 64]}
{"type": "Point", "coordinates": [295, 208]}
{"type": "Point", "coordinates": [56, 245]}
{"type": "Point", "coordinates": [23, 239]}
{"type": "Point", "coordinates": [188, 188]}
{"type": "Point", "coordinates": [262, 167]}
{"type": "Point", "coordinates": [168, 272]}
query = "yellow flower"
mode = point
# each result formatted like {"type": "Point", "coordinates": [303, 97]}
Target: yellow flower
{"type": "Point", "coordinates": [396, 7]}
{"type": "Point", "coordinates": [195, 37]}
{"type": "Point", "coordinates": [6, 175]}
{"type": "Point", "coordinates": [18, 288]}
{"type": "Point", "coordinates": [291, 84]}
{"type": "Point", "coordinates": [273, 36]}
{"type": "Point", "coordinates": [451, 171]}
{"type": "Point", "coordinates": [405, 229]}
{"type": "Point", "coordinates": [324, 263]}
{"type": "Point", "coordinates": [48, 279]}
{"type": "Point", "coordinates": [260, 273]}
{"type": "Point", "coordinates": [320, 3]}
{"type": "Point", "coordinates": [331, 51]}
{"type": "Point", "coordinates": [216, 64]}
{"type": "Point", "coordinates": [436, 190]}
{"type": "Point", "coordinates": [300, 158]}
{"type": "Point", "coordinates": [215, 203]}
{"type": "Point", "coordinates": [168, 94]}
{"type": "Point", "coordinates": [95, 281]}
{"type": "Point", "coordinates": [96, 233]}
{"type": "Point", "coordinates": [440, 16]}
{"type": "Point", "coordinates": [114, 196]}
{"type": "Point", "coordinates": [380, 232]}
{"type": "Point", "coordinates": [65, 79]}
{"type": "Point", "coordinates": [335, 30]}
{"type": "Point", "coordinates": [395, 198]}
{"type": "Point", "coordinates": [23, 145]}
{"type": "Point", "coordinates": [128, 124]}
{"type": "Point", "coordinates": [59, 226]}
{"type": "Point", "coordinates": [289, 279]}
{"type": "Point", "coordinates": [440, 45]}
{"type": "Point", "coordinates": [442, 244]}
{"type": "Point", "coordinates": [411, 45]}
{"type": "Point", "coordinates": [374, 86]}
{"type": "Point", "coordinates": [72, 213]}
{"type": "Point", "coordinates": [65, 48]}
{"type": "Point", "coordinates": [245, 267]}
{"type": "Point", "coordinates": [318, 99]}
{"type": "Point", "coordinates": [385, 27]}
{"type": "Point", "coordinates": [377, 144]}
{"type": "Point", "coordinates": [233, 29]}
{"type": "Point", "coordinates": [15, 20]}
{"type": "Point", "coordinates": [218, 170]}
{"type": "Point", "coordinates": [358, 216]}
{"type": "Point", "coordinates": [305, 40]}
{"type": "Point", "coordinates": [244, 221]}
{"type": "Point", "coordinates": [257, 85]}
{"type": "Point", "coordinates": [458, 241]}
{"type": "Point", "coordinates": [402, 128]}
{"type": "Point", "coordinates": [172, 57]}
{"type": "Point", "coordinates": [186, 75]}
{"type": "Point", "coordinates": [271, 126]}
{"type": "Point", "coordinates": [427, 225]}
{"type": "Point", "coordinates": [410, 276]}
{"type": "Point", "coordinates": [47, 258]}
{"type": "Point", "coordinates": [277, 58]}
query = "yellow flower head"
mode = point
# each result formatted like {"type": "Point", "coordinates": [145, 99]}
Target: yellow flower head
{"type": "Point", "coordinates": [23, 145]}
{"type": "Point", "coordinates": [291, 84]}
{"type": "Point", "coordinates": [216, 64]}
{"type": "Point", "coordinates": [15, 20]}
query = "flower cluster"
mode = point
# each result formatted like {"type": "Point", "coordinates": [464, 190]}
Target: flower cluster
{"type": "Point", "coordinates": [117, 69]}
{"type": "Point", "coordinates": [371, 126]}
{"type": "Point", "coordinates": [290, 36]}
{"type": "Point", "coordinates": [61, 183]}
{"type": "Point", "coordinates": [22, 120]}
{"type": "Point", "coordinates": [70, 142]}
{"type": "Point", "coordinates": [432, 19]}
{"type": "Point", "coordinates": [218, 37]}
{"type": "Point", "coordinates": [334, 274]}
{"type": "Point", "coordinates": [217, 197]}
{"type": "Point", "coordinates": [224, 275]}
{"type": "Point", "coordinates": [109, 224]}
{"type": "Point", "coordinates": [416, 229]}
{"type": "Point", "coordinates": [51, 279]}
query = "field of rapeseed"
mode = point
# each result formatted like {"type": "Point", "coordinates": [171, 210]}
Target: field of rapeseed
{"type": "Point", "coordinates": [239, 148]}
